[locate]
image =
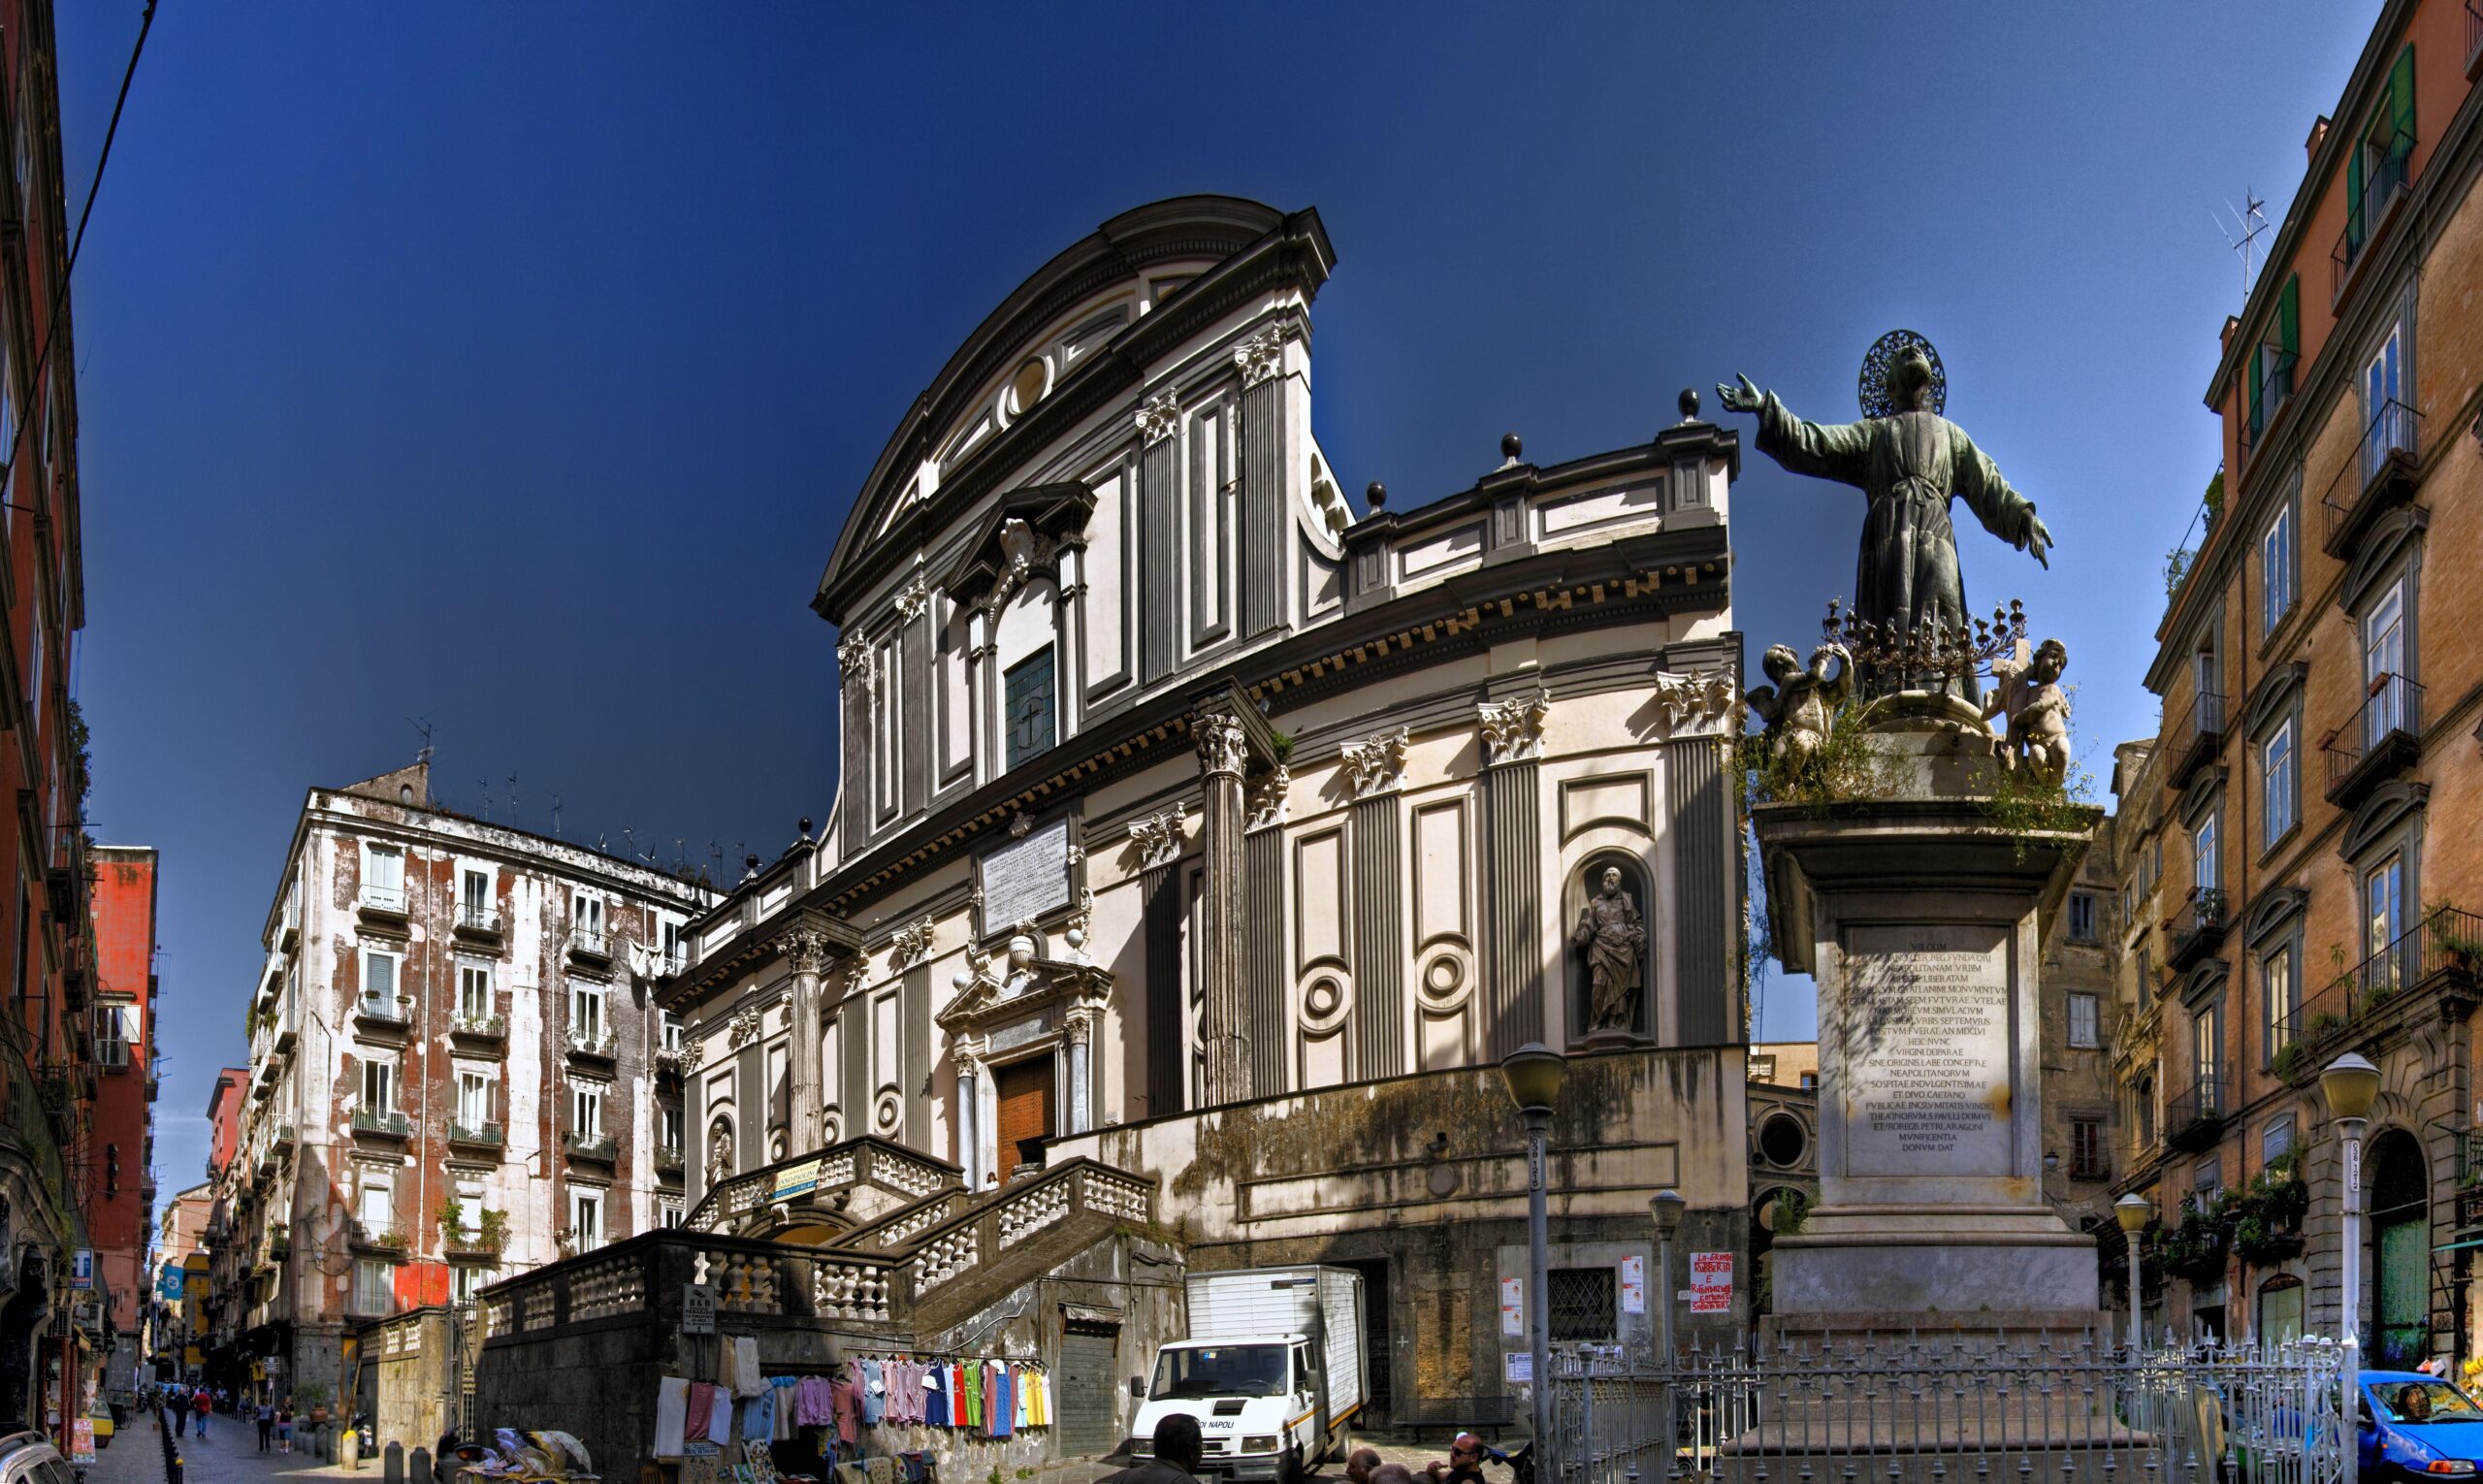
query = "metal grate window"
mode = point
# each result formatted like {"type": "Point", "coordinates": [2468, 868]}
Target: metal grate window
{"type": "Point", "coordinates": [1583, 1303]}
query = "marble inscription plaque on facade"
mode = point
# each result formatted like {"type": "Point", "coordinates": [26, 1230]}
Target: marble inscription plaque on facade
{"type": "Point", "coordinates": [1926, 1042]}
{"type": "Point", "coordinates": [1026, 877]}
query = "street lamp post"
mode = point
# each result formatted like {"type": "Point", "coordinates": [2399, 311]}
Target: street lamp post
{"type": "Point", "coordinates": [2132, 1211]}
{"type": "Point", "coordinates": [1534, 1072]}
{"type": "Point", "coordinates": [1668, 1204]}
{"type": "Point", "coordinates": [2351, 1084]}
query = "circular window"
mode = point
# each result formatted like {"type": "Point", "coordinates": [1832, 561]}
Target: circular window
{"type": "Point", "coordinates": [1782, 1139]}
{"type": "Point", "coordinates": [1028, 385]}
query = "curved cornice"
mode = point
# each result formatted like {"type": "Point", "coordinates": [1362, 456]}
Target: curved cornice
{"type": "Point", "coordinates": [1252, 246]}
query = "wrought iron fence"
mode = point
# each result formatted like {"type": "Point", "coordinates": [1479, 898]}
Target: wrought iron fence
{"type": "Point", "coordinates": [1910, 1411]}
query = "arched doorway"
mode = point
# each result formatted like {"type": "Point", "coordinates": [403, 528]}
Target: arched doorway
{"type": "Point", "coordinates": [2400, 1244]}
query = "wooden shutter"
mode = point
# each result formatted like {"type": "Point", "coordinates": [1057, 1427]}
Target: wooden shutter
{"type": "Point", "coordinates": [2400, 101]}
{"type": "Point", "coordinates": [2289, 316]}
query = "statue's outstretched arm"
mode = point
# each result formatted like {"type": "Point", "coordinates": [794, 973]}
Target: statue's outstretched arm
{"type": "Point", "coordinates": [1996, 503]}
{"type": "Point", "coordinates": [1839, 451]}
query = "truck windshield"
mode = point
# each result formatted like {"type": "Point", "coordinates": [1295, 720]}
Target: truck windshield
{"type": "Point", "coordinates": [1220, 1371]}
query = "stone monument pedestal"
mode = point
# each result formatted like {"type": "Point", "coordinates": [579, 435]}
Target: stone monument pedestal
{"type": "Point", "coordinates": [1921, 920]}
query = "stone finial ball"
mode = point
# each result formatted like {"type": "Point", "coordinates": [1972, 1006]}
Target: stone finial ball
{"type": "Point", "coordinates": [1375, 494]}
{"type": "Point", "coordinates": [1511, 445]}
{"type": "Point", "coordinates": [750, 860]}
{"type": "Point", "coordinates": [1690, 403]}
{"type": "Point", "coordinates": [806, 826]}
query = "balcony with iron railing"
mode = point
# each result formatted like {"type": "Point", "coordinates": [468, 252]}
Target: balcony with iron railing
{"type": "Point", "coordinates": [669, 1160]}
{"type": "Point", "coordinates": [2473, 40]}
{"type": "Point", "coordinates": [2197, 738]}
{"type": "Point", "coordinates": [597, 1148]}
{"type": "Point", "coordinates": [375, 1015]}
{"type": "Point", "coordinates": [2194, 1117]}
{"type": "Point", "coordinates": [479, 921]}
{"type": "Point", "coordinates": [2439, 956]}
{"type": "Point", "coordinates": [381, 1123]}
{"type": "Point", "coordinates": [2388, 175]}
{"type": "Point", "coordinates": [590, 1043]}
{"type": "Point", "coordinates": [378, 901]}
{"type": "Point", "coordinates": [383, 1238]}
{"type": "Point", "coordinates": [481, 1133]}
{"type": "Point", "coordinates": [478, 1031]}
{"type": "Point", "coordinates": [2197, 930]}
{"type": "Point", "coordinates": [591, 944]}
{"type": "Point", "coordinates": [2381, 738]}
{"type": "Point", "coordinates": [2380, 475]}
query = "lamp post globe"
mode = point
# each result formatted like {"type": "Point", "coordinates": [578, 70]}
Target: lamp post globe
{"type": "Point", "coordinates": [1667, 1206]}
{"type": "Point", "coordinates": [2134, 1212]}
{"type": "Point", "coordinates": [2350, 1084]}
{"type": "Point", "coordinates": [1534, 1072]}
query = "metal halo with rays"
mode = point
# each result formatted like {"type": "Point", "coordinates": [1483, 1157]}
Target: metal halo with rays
{"type": "Point", "coordinates": [1872, 390]}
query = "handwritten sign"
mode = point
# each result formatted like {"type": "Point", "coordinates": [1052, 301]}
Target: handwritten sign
{"type": "Point", "coordinates": [1711, 1282]}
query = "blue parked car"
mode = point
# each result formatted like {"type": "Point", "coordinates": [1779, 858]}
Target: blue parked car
{"type": "Point", "coordinates": [2416, 1427]}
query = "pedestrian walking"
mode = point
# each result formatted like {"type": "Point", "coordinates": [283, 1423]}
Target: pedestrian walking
{"type": "Point", "coordinates": [180, 1405]}
{"type": "Point", "coordinates": [285, 1426]}
{"type": "Point", "coordinates": [202, 1403]}
{"type": "Point", "coordinates": [266, 1420]}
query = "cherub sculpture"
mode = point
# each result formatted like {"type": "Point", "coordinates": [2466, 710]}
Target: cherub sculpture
{"type": "Point", "coordinates": [1800, 705]}
{"type": "Point", "coordinates": [2029, 696]}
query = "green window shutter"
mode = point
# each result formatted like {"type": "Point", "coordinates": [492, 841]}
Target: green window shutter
{"type": "Point", "coordinates": [2354, 198]}
{"type": "Point", "coordinates": [2289, 316]}
{"type": "Point", "coordinates": [2400, 101]}
{"type": "Point", "coordinates": [2255, 359]}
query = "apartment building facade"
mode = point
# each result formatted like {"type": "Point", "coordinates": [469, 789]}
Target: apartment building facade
{"type": "Point", "coordinates": [120, 1187]}
{"type": "Point", "coordinates": [48, 1073]}
{"type": "Point", "coordinates": [456, 1073]}
{"type": "Point", "coordinates": [2308, 868]}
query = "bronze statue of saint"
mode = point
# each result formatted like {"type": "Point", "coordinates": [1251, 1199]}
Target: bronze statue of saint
{"type": "Point", "coordinates": [1610, 931]}
{"type": "Point", "coordinates": [1911, 462]}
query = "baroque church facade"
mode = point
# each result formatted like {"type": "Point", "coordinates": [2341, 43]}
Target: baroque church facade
{"type": "Point", "coordinates": [1193, 821]}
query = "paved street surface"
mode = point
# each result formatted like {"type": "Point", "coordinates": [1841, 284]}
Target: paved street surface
{"type": "Point", "coordinates": [229, 1453]}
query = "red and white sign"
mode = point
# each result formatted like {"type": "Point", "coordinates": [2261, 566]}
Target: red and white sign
{"type": "Point", "coordinates": [1711, 1282]}
{"type": "Point", "coordinates": [1513, 1306]}
{"type": "Point", "coordinates": [1634, 1285]}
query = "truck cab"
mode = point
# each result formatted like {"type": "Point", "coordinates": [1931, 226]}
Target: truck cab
{"type": "Point", "coordinates": [1258, 1399]}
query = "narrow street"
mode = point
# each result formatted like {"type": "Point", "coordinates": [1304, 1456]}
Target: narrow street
{"type": "Point", "coordinates": [229, 1453]}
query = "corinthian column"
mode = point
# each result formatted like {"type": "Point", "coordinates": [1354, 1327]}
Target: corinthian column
{"type": "Point", "coordinates": [805, 949]}
{"type": "Point", "coordinates": [1224, 746]}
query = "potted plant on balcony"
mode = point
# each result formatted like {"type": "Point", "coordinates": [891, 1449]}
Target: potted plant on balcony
{"type": "Point", "coordinates": [492, 1231]}
{"type": "Point", "coordinates": [2453, 936]}
{"type": "Point", "coordinates": [2196, 1250]}
{"type": "Point", "coordinates": [2267, 1216]}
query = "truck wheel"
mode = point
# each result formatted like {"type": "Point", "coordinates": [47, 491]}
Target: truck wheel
{"type": "Point", "coordinates": [1291, 1472]}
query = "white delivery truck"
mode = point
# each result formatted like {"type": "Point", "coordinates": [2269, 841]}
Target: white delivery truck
{"type": "Point", "coordinates": [1273, 1371]}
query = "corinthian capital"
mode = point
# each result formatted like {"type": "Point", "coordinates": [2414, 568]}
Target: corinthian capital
{"type": "Point", "coordinates": [1513, 728]}
{"type": "Point", "coordinates": [1158, 837]}
{"type": "Point", "coordinates": [805, 949]}
{"type": "Point", "coordinates": [1222, 741]}
{"type": "Point", "coordinates": [1261, 356]}
{"type": "Point", "coordinates": [1378, 763]}
{"type": "Point", "coordinates": [1159, 418]}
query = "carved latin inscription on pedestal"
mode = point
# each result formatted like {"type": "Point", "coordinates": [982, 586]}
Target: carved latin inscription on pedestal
{"type": "Point", "coordinates": [1925, 1012]}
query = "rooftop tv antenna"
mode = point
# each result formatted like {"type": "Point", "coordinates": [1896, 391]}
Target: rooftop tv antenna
{"type": "Point", "coordinates": [422, 729]}
{"type": "Point", "coordinates": [484, 785]}
{"type": "Point", "coordinates": [2250, 223]}
{"type": "Point", "coordinates": [555, 817]}
{"type": "Point", "coordinates": [512, 798]}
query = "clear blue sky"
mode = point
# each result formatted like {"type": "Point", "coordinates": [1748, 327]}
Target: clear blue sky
{"type": "Point", "coordinates": [513, 365]}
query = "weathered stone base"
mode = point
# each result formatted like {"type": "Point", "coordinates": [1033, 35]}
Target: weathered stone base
{"type": "Point", "coordinates": [1934, 1277]}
